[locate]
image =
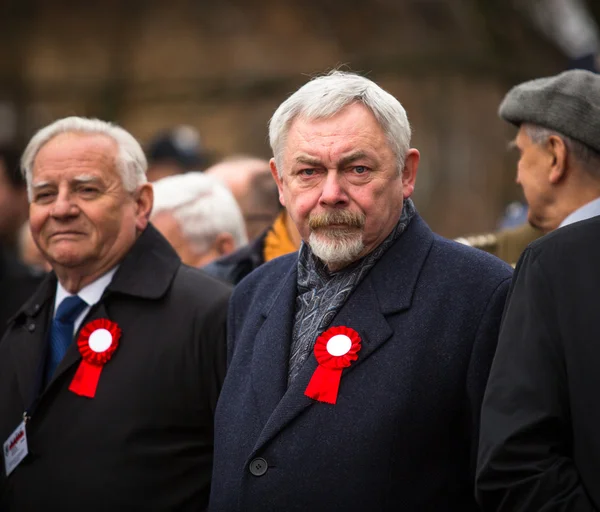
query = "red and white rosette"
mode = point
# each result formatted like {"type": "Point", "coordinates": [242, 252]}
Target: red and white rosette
{"type": "Point", "coordinates": [335, 350]}
{"type": "Point", "coordinates": [97, 343]}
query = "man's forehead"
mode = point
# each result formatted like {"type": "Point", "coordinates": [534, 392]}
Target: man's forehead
{"type": "Point", "coordinates": [92, 154]}
{"type": "Point", "coordinates": [348, 155]}
{"type": "Point", "coordinates": [69, 145]}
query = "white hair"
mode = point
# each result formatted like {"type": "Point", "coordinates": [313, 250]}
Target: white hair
{"type": "Point", "coordinates": [131, 161]}
{"type": "Point", "coordinates": [327, 95]}
{"type": "Point", "coordinates": [202, 206]}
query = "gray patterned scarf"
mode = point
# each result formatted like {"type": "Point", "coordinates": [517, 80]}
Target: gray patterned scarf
{"type": "Point", "coordinates": [322, 294]}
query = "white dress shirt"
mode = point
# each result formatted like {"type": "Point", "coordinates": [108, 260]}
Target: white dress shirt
{"type": "Point", "coordinates": [587, 211]}
{"type": "Point", "coordinates": [90, 294]}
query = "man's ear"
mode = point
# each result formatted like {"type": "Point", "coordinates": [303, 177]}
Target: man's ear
{"type": "Point", "coordinates": [144, 200]}
{"type": "Point", "coordinates": [409, 173]}
{"type": "Point", "coordinates": [224, 244]}
{"type": "Point", "coordinates": [559, 154]}
{"type": "Point", "coordinates": [277, 179]}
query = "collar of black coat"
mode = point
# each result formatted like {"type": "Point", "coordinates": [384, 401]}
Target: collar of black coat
{"type": "Point", "coordinates": [146, 272]}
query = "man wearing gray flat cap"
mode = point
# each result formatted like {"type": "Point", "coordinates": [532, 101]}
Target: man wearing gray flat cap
{"type": "Point", "coordinates": [559, 146]}
{"type": "Point", "coordinates": [539, 446]}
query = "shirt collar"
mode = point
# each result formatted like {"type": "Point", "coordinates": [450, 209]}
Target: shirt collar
{"type": "Point", "coordinates": [90, 293]}
{"type": "Point", "coordinates": [587, 211]}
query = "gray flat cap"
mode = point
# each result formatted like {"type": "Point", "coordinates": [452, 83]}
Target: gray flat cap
{"type": "Point", "coordinates": [568, 103]}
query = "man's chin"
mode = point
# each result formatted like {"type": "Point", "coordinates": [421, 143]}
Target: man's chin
{"type": "Point", "coordinates": [336, 252]}
{"type": "Point", "coordinates": [66, 260]}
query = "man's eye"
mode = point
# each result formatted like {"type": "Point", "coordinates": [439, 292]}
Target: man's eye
{"type": "Point", "coordinates": [360, 169]}
{"type": "Point", "coordinates": [43, 196]}
{"type": "Point", "coordinates": [308, 172]}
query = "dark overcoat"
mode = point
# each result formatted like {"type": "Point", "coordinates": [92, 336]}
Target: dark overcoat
{"type": "Point", "coordinates": [145, 441]}
{"type": "Point", "coordinates": [403, 433]}
{"type": "Point", "coordinates": [540, 433]}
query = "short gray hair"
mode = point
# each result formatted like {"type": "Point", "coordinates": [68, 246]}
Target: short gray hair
{"type": "Point", "coordinates": [325, 96]}
{"type": "Point", "coordinates": [587, 157]}
{"type": "Point", "coordinates": [202, 206]}
{"type": "Point", "coordinates": [131, 161]}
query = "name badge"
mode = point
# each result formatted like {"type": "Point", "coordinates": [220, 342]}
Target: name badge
{"type": "Point", "coordinates": [15, 448]}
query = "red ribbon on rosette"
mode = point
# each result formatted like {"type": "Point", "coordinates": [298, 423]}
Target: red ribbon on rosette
{"type": "Point", "coordinates": [97, 342]}
{"type": "Point", "coordinates": [335, 350]}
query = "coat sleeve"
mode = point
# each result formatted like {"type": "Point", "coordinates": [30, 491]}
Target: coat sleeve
{"type": "Point", "coordinates": [482, 354]}
{"type": "Point", "coordinates": [524, 461]}
{"type": "Point", "coordinates": [212, 326]}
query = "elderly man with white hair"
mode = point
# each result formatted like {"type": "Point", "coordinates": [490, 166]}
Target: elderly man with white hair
{"type": "Point", "coordinates": [109, 374]}
{"type": "Point", "coordinates": [357, 366]}
{"type": "Point", "coordinates": [199, 217]}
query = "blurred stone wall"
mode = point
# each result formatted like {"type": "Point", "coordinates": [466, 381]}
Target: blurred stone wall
{"type": "Point", "coordinates": [224, 66]}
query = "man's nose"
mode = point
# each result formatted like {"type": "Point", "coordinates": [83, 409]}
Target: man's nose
{"type": "Point", "coordinates": [333, 192]}
{"type": "Point", "coordinates": [64, 206]}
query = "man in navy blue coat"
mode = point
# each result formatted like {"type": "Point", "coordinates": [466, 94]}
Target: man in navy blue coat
{"type": "Point", "coordinates": [357, 366]}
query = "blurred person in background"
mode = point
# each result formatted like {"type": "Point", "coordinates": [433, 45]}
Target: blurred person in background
{"type": "Point", "coordinates": [29, 252]}
{"type": "Point", "coordinates": [17, 280]}
{"type": "Point", "coordinates": [13, 197]}
{"type": "Point", "coordinates": [175, 151]}
{"type": "Point", "coordinates": [539, 425]}
{"type": "Point", "coordinates": [280, 238]}
{"type": "Point", "coordinates": [252, 185]}
{"type": "Point", "coordinates": [199, 217]}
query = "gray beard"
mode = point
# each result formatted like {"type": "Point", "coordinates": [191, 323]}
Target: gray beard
{"type": "Point", "coordinates": [336, 251]}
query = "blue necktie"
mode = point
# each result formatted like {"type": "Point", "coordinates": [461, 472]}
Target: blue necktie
{"type": "Point", "coordinates": [61, 331]}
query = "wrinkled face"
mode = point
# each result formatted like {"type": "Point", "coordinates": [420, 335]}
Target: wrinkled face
{"type": "Point", "coordinates": [533, 175]}
{"type": "Point", "coordinates": [81, 216]}
{"type": "Point", "coordinates": [340, 184]}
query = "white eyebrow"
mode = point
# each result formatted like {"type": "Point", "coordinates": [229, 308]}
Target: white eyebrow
{"type": "Point", "coordinates": [82, 178]}
{"type": "Point", "coordinates": [85, 178]}
{"type": "Point", "coordinates": [41, 184]}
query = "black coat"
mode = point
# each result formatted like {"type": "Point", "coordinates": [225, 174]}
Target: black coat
{"type": "Point", "coordinates": [237, 265]}
{"type": "Point", "coordinates": [403, 434]}
{"type": "Point", "coordinates": [145, 441]}
{"type": "Point", "coordinates": [540, 433]}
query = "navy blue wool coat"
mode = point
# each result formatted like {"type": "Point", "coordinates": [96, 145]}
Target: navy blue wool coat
{"type": "Point", "coordinates": [403, 433]}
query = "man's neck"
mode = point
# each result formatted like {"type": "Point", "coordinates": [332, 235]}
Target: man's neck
{"type": "Point", "coordinates": [74, 279]}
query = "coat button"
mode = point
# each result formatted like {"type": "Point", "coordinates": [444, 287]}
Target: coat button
{"type": "Point", "coordinates": [258, 466]}
{"type": "Point", "coordinates": [31, 327]}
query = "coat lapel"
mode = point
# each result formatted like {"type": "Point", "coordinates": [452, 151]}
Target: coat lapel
{"type": "Point", "coordinates": [361, 305]}
{"type": "Point", "coordinates": [271, 347]}
{"type": "Point", "coordinates": [384, 291]}
{"type": "Point", "coordinates": [28, 350]}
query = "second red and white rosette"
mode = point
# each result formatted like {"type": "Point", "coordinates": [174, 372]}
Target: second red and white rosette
{"type": "Point", "coordinates": [97, 343]}
{"type": "Point", "coordinates": [335, 350]}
